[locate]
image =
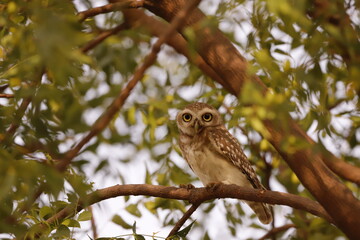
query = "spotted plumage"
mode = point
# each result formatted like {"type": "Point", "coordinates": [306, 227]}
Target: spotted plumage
{"type": "Point", "coordinates": [214, 154]}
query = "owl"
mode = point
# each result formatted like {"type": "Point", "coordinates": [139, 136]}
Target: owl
{"type": "Point", "coordinates": [214, 154]}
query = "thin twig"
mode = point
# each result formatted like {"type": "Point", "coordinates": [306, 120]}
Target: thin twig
{"type": "Point", "coordinates": [93, 224]}
{"type": "Point", "coordinates": [111, 7]}
{"type": "Point", "coordinates": [277, 230]}
{"type": "Point", "coordinates": [4, 95]}
{"type": "Point", "coordinates": [183, 219]}
{"type": "Point", "coordinates": [28, 204]}
{"type": "Point", "coordinates": [18, 115]}
{"type": "Point", "coordinates": [119, 101]}
{"type": "Point", "coordinates": [21, 110]}
{"type": "Point", "coordinates": [101, 37]}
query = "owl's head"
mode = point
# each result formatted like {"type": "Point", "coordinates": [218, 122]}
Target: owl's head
{"type": "Point", "coordinates": [197, 116]}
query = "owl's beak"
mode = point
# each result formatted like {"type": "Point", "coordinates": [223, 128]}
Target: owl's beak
{"type": "Point", "coordinates": [197, 126]}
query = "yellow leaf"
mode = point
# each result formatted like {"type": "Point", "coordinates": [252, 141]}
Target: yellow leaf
{"type": "Point", "coordinates": [55, 106]}
{"type": "Point", "coordinates": [287, 66]}
{"type": "Point", "coordinates": [259, 126]}
{"type": "Point", "coordinates": [161, 121]}
{"type": "Point", "coordinates": [11, 7]}
{"type": "Point", "coordinates": [294, 178]}
{"type": "Point", "coordinates": [14, 82]}
{"type": "Point", "coordinates": [220, 98]}
{"type": "Point", "coordinates": [261, 112]}
{"type": "Point", "coordinates": [276, 161]}
{"type": "Point", "coordinates": [131, 115]}
{"type": "Point", "coordinates": [144, 118]}
{"type": "Point", "coordinates": [264, 145]}
{"type": "Point", "coordinates": [169, 98]}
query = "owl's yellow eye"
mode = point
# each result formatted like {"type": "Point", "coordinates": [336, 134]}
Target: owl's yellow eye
{"type": "Point", "coordinates": [186, 117]}
{"type": "Point", "coordinates": [207, 117]}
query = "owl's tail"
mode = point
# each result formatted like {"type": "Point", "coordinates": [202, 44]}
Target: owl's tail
{"type": "Point", "coordinates": [262, 210]}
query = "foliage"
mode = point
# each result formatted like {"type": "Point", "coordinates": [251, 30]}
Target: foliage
{"type": "Point", "coordinates": [308, 59]}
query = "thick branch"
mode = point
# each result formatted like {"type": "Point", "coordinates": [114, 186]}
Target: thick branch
{"type": "Point", "coordinates": [342, 168]}
{"type": "Point", "coordinates": [195, 195]}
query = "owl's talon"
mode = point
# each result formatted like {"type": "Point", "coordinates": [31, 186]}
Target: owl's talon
{"type": "Point", "coordinates": [187, 186]}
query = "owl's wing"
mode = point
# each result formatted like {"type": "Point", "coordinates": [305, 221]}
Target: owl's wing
{"type": "Point", "coordinates": [227, 145]}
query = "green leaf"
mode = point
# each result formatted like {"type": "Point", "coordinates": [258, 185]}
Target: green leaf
{"type": "Point", "coordinates": [84, 216]}
{"type": "Point", "coordinates": [148, 177]}
{"type": "Point", "coordinates": [131, 115]}
{"type": "Point", "coordinates": [62, 232]}
{"type": "Point", "coordinates": [133, 209]}
{"type": "Point", "coordinates": [151, 206]}
{"type": "Point", "coordinates": [45, 211]}
{"type": "Point", "coordinates": [71, 223]}
{"type": "Point", "coordinates": [178, 176]}
{"type": "Point", "coordinates": [185, 231]}
{"type": "Point", "coordinates": [102, 165]}
{"type": "Point", "coordinates": [138, 237]}
{"type": "Point", "coordinates": [119, 221]}
{"type": "Point", "coordinates": [134, 227]}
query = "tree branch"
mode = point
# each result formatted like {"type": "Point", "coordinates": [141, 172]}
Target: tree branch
{"type": "Point", "coordinates": [18, 116]}
{"type": "Point", "coordinates": [109, 8]}
{"type": "Point", "coordinates": [277, 230]}
{"type": "Point", "coordinates": [101, 37]}
{"type": "Point", "coordinates": [183, 219]}
{"type": "Point", "coordinates": [4, 95]}
{"type": "Point", "coordinates": [195, 196]}
{"type": "Point", "coordinates": [341, 168]}
{"type": "Point", "coordinates": [93, 224]}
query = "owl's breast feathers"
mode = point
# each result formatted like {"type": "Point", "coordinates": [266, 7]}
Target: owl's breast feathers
{"type": "Point", "coordinates": [192, 145]}
{"type": "Point", "coordinates": [208, 163]}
